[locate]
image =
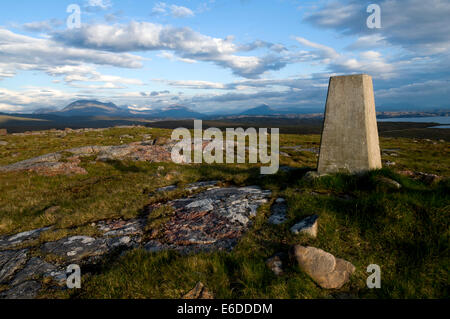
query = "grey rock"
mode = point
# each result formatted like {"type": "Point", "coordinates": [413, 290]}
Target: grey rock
{"type": "Point", "coordinates": [33, 162]}
{"type": "Point", "coordinates": [25, 290]}
{"type": "Point", "coordinates": [198, 185]}
{"type": "Point", "coordinates": [9, 242]}
{"type": "Point", "coordinates": [10, 262]}
{"type": "Point", "coordinates": [307, 226]}
{"type": "Point", "coordinates": [326, 270]}
{"type": "Point", "coordinates": [3, 143]}
{"type": "Point", "coordinates": [115, 228]}
{"type": "Point", "coordinates": [36, 267]}
{"type": "Point", "coordinates": [79, 248]}
{"type": "Point", "coordinates": [167, 188]}
{"type": "Point", "coordinates": [278, 210]}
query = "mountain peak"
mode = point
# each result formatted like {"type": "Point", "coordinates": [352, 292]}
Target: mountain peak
{"type": "Point", "coordinates": [263, 109]}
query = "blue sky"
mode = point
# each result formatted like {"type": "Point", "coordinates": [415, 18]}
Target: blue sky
{"type": "Point", "coordinates": [221, 55]}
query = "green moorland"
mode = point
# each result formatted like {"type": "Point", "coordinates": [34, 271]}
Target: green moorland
{"type": "Point", "coordinates": [405, 231]}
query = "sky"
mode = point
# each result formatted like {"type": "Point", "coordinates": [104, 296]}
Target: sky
{"type": "Point", "coordinates": [221, 56]}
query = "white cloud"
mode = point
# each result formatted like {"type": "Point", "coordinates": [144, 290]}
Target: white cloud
{"type": "Point", "coordinates": [176, 11]}
{"type": "Point", "coordinates": [181, 12]}
{"type": "Point", "coordinates": [183, 42]}
{"type": "Point", "coordinates": [20, 52]}
{"type": "Point", "coordinates": [42, 26]}
{"type": "Point", "coordinates": [371, 62]}
{"type": "Point", "coordinates": [102, 4]}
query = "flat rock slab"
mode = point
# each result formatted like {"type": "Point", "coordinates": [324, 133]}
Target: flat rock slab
{"type": "Point", "coordinates": [36, 267]}
{"type": "Point", "coordinates": [307, 226]}
{"type": "Point", "coordinates": [213, 219]}
{"type": "Point", "coordinates": [53, 164]}
{"type": "Point", "coordinates": [10, 262]}
{"type": "Point", "coordinates": [78, 248]}
{"type": "Point", "coordinates": [25, 290]}
{"type": "Point", "coordinates": [326, 270]}
{"type": "Point", "coordinates": [190, 187]}
{"type": "Point", "coordinates": [9, 242]}
{"type": "Point", "coordinates": [116, 228]}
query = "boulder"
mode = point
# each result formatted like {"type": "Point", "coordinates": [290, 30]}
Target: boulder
{"type": "Point", "coordinates": [326, 270]}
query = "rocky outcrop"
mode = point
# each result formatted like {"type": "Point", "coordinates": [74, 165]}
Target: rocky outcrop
{"type": "Point", "coordinates": [60, 164]}
{"type": "Point", "coordinates": [326, 270]}
{"type": "Point", "coordinates": [214, 218]}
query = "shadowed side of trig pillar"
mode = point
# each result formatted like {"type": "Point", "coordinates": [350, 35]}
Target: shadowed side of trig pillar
{"type": "Point", "coordinates": [350, 134]}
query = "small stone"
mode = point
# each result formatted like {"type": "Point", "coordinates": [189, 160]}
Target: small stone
{"type": "Point", "coordinates": [326, 270]}
{"type": "Point", "coordinates": [275, 263]}
{"type": "Point", "coordinates": [199, 292]}
{"type": "Point", "coordinates": [389, 183]}
{"type": "Point", "coordinates": [307, 226]}
{"type": "Point", "coordinates": [278, 210]}
{"type": "Point", "coordinates": [3, 143]}
{"type": "Point", "coordinates": [312, 175]}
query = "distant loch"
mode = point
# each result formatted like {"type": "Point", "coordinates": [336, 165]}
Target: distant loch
{"type": "Point", "coordinates": [443, 120]}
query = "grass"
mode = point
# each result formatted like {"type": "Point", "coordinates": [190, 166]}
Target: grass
{"type": "Point", "coordinates": [404, 231]}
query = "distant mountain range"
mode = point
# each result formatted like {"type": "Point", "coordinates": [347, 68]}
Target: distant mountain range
{"type": "Point", "coordinates": [93, 108]}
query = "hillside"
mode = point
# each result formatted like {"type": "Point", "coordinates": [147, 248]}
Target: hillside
{"type": "Point", "coordinates": [113, 197]}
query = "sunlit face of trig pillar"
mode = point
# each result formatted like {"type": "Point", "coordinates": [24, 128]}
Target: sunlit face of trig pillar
{"type": "Point", "coordinates": [350, 134]}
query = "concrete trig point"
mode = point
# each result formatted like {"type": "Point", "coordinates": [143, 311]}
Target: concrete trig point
{"type": "Point", "coordinates": [350, 134]}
